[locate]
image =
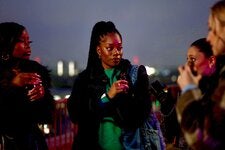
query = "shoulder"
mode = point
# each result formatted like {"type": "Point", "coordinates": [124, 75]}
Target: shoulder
{"type": "Point", "coordinates": [31, 64]}
{"type": "Point", "coordinates": [220, 65]}
{"type": "Point", "coordinates": [38, 65]}
{"type": "Point", "coordinates": [140, 69]}
{"type": "Point", "coordinates": [82, 77]}
{"type": "Point", "coordinates": [83, 74]}
{"type": "Point", "coordinates": [124, 63]}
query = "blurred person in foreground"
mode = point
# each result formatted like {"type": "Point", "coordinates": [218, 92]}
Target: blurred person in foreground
{"type": "Point", "coordinates": [25, 99]}
{"type": "Point", "coordinates": [104, 102]}
{"type": "Point", "coordinates": [203, 125]}
{"type": "Point", "coordinates": [201, 61]}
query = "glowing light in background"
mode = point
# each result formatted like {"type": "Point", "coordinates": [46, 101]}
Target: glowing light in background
{"type": "Point", "coordinates": [57, 97]}
{"type": "Point", "coordinates": [46, 129]}
{"type": "Point", "coordinates": [136, 60]}
{"type": "Point", "coordinates": [150, 70]}
{"type": "Point", "coordinates": [60, 68]}
{"type": "Point", "coordinates": [71, 68]}
{"type": "Point", "coordinates": [67, 96]}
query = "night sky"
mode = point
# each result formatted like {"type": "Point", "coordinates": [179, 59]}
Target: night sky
{"type": "Point", "coordinates": [157, 31]}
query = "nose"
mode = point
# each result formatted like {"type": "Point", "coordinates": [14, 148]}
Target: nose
{"type": "Point", "coordinates": [27, 46]}
{"type": "Point", "coordinates": [189, 63]}
{"type": "Point", "coordinates": [117, 53]}
{"type": "Point", "coordinates": [27, 43]}
{"type": "Point", "coordinates": [208, 38]}
{"type": "Point", "coordinates": [117, 50]}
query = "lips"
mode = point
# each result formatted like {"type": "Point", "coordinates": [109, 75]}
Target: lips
{"type": "Point", "coordinates": [26, 55]}
{"type": "Point", "coordinates": [116, 60]}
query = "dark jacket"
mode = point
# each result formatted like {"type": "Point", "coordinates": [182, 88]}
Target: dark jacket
{"type": "Point", "coordinates": [19, 116]}
{"type": "Point", "coordinates": [202, 115]}
{"type": "Point", "coordinates": [128, 110]}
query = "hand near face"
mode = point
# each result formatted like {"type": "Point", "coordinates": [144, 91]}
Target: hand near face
{"type": "Point", "coordinates": [186, 77]}
{"type": "Point", "coordinates": [120, 86]}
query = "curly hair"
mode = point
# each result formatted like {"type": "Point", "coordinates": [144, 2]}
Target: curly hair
{"type": "Point", "coordinates": [9, 36]}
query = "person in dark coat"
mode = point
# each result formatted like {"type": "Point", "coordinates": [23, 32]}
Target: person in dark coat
{"type": "Point", "coordinates": [25, 98]}
{"type": "Point", "coordinates": [104, 93]}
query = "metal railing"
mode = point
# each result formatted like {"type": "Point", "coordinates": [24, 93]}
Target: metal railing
{"type": "Point", "coordinates": [62, 132]}
{"type": "Point", "coordinates": [60, 135]}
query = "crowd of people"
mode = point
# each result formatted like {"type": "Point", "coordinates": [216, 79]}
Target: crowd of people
{"type": "Point", "coordinates": [111, 99]}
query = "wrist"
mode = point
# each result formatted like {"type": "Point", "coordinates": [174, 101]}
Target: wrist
{"type": "Point", "coordinates": [188, 87]}
{"type": "Point", "coordinates": [107, 95]}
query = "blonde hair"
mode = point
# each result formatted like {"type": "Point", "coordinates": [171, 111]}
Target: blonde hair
{"type": "Point", "coordinates": [218, 12]}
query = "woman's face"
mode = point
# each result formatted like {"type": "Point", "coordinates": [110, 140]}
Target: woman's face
{"type": "Point", "coordinates": [201, 64]}
{"type": "Point", "coordinates": [22, 48]}
{"type": "Point", "coordinates": [216, 36]}
{"type": "Point", "coordinates": [110, 50]}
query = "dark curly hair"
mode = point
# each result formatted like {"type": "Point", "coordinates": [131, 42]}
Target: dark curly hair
{"type": "Point", "coordinates": [9, 36]}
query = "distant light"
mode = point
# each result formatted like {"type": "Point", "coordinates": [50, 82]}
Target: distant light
{"type": "Point", "coordinates": [150, 70]}
{"type": "Point", "coordinates": [166, 72]}
{"type": "Point", "coordinates": [46, 129]}
{"type": "Point", "coordinates": [56, 97]}
{"type": "Point", "coordinates": [174, 78]}
{"type": "Point", "coordinates": [67, 96]}
{"type": "Point", "coordinates": [136, 60]}
{"type": "Point", "coordinates": [71, 68]}
{"type": "Point", "coordinates": [60, 68]}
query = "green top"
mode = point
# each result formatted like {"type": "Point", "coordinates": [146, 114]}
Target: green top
{"type": "Point", "coordinates": [112, 78]}
{"type": "Point", "coordinates": [109, 133]}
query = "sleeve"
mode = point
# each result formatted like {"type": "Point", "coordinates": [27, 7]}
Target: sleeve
{"type": "Point", "coordinates": [137, 107]}
{"type": "Point", "coordinates": [191, 114]}
{"type": "Point", "coordinates": [142, 93]}
{"type": "Point", "coordinates": [7, 90]}
{"type": "Point", "coordinates": [74, 101]}
{"type": "Point", "coordinates": [104, 100]}
{"type": "Point", "coordinates": [43, 109]}
{"type": "Point", "coordinates": [85, 99]}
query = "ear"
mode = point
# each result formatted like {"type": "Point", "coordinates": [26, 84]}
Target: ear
{"type": "Point", "coordinates": [212, 61]}
{"type": "Point", "coordinates": [98, 50]}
